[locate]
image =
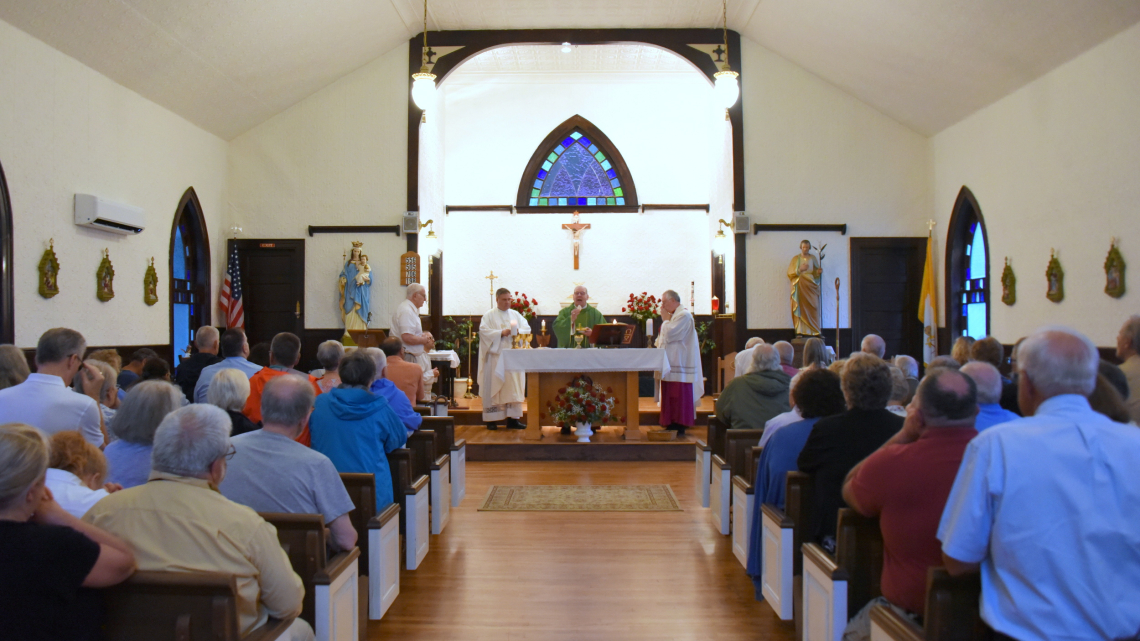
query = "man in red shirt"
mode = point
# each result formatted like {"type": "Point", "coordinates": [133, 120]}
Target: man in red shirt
{"type": "Point", "coordinates": [906, 483]}
{"type": "Point", "coordinates": [284, 354]}
{"type": "Point", "coordinates": [408, 377]}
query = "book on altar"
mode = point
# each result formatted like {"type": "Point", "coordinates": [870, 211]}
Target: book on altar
{"type": "Point", "coordinates": [612, 335]}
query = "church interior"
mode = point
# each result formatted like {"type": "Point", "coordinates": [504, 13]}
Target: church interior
{"type": "Point", "coordinates": [956, 168]}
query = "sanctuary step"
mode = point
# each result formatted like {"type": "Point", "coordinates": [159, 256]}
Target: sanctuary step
{"type": "Point", "coordinates": [470, 412]}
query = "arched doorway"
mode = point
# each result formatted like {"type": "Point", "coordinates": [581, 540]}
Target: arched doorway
{"type": "Point", "coordinates": [7, 304]}
{"type": "Point", "coordinates": [189, 273]}
{"type": "Point", "coordinates": [967, 270]}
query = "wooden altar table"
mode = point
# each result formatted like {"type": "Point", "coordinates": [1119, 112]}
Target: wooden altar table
{"type": "Point", "coordinates": [548, 370]}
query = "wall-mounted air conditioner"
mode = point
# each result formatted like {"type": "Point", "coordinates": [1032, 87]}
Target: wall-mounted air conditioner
{"type": "Point", "coordinates": [91, 211]}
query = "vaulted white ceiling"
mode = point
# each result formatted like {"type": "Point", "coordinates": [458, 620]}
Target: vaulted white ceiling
{"type": "Point", "coordinates": [229, 65]}
{"type": "Point", "coordinates": [531, 59]}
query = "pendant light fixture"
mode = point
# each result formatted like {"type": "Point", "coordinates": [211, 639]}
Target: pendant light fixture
{"type": "Point", "coordinates": [726, 87]}
{"type": "Point", "coordinates": [423, 83]}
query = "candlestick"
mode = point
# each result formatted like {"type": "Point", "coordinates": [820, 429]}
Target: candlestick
{"type": "Point", "coordinates": [649, 327]}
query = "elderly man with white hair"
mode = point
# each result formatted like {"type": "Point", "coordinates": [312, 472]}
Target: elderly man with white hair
{"type": "Point", "coordinates": [988, 379]}
{"type": "Point", "coordinates": [407, 326]}
{"type": "Point", "coordinates": [874, 345]}
{"type": "Point", "coordinates": [750, 401]}
{"type": "Point", "coordinates": [1045, 506]}
{"type": "Point", "coordinates": [1128, 351]}
{"type": "Point", "coordinates": [744, 356]}
{"type": "Point", "coordinates": [909, 368]}
{"type": "Point", "coordinates": [207, 342]}
{"type": "Point", "coordinates": [179, 522]}
{"type": "Point", "coordinates": [787, 357]}
{"type": "Point", "coordinates": [387, 390]}
{"type": "Point", "coordinates": [682, 388]}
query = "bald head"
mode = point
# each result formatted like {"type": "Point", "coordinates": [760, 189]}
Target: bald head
{"type": "Point", "coordinates": [874, 345]}
{"type": "Point", "coordinates": [786, 351]}
{"type": "Point", "coordinates": [581, 296]}
{"type": "Point", "coordinates": [753, 342]}
{"type": "Point", "coordinates": [1059, 361]}
{"type": "Point", "coordinates": [286, 401]}
{"type": "Point", "coordinates": [988, 380]}
{"type": "Point", "coordinates": [947, 398]}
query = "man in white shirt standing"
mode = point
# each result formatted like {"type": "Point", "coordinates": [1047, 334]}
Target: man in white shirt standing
{"type": "Point", "coordinates": [44, 400]}
{"type": "Point", "coordinates": [502, 395]}
{"type": "Point", "coordinates": [683, 386]}
{"type": "Point", "coordinates": [407, 326]}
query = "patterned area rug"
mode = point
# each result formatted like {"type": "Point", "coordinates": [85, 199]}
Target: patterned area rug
{"type": "Point", "coordinates": [580, 498]}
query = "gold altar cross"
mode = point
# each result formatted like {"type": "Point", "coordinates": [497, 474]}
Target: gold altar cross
{"type": "Point", "coordinates": [492, 278]}
{"type": "Point", "coordinates": [576, 228]}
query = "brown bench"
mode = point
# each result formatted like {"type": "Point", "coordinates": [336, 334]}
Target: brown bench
{"type": "Point", "coordinates": [738, 450]}
{"type": "Point", "coordinates": [410, 488]}
{"type": "Point", "coordinates": [952, 612]}
{"type": "Point", "coordinates": [836, 587]}
{"type": "Point", "coordinates": [445, 427]}
{"type": "Point", "coordinates": [179, 606]}
{"type": "Point", "coordinates": [431, 455]}
{"type": "Point", "coordinates": [422, 410]}
{"type": "Point", "coordinates": [734, 445]}
{"type": "Point", "coordinates": [378, 537]}
{"type": "Point", "coordinates": [782, 537]}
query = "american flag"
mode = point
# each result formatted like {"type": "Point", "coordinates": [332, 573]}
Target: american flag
{"type": "Point", "coordinates": [230, 298]}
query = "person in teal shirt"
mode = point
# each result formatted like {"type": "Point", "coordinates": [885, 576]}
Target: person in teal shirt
{"type": "Point", "coordinates": [578, 316]}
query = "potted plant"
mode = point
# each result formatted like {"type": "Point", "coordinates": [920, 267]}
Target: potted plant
{"type": "Point", "coordinates": [582, 404]}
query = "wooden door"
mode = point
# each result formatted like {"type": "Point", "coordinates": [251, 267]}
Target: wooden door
{"type": "Point", "coordinates": [273, 287]}
{"type": "Point", "coordinates": [886, 283]}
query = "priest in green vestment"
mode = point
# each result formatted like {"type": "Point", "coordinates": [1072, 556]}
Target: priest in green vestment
{"type": "Point", "coordinates": [578, 317]}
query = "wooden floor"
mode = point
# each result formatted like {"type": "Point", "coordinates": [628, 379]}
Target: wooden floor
{"type": "Point", "coordinates": [556, 576]}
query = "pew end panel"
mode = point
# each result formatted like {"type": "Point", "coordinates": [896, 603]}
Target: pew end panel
{"type": "Point", "coordinates": [824, 596]}
{"type": "Point", "coordinates": [336, 592]}
{"type": "Point", "coordinates": [952, 607]}
{"type": "Point", "coordinates": [432, 456]}
{"type": "Point", "coordinates": [422, 410]}
{"type": "Point", "coordinates": [720, 495]}
{"type": "Point", "coordinates": [738, 450]}
{"type": "Point", "coordinates": [859, 551]}
{"type": "Point", "coordinates": [418, 522]}
{"type": "Point", "coordinates": [384, 573]}
{"type": "Point", "coordinates": [743, 503]}
{"type": "Point", "coordinates": [888, 625]}
{"type": "Point", "coordinates": [703, 472]}
{"type": "Point", "coordinates": [776, 580]}
{"type": "Point", "coordinates": [458, 472]}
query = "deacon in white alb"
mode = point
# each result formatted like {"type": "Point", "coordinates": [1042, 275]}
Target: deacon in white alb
{"type": "Point", "coordinates": [502, 396]}
{"type": "Point", "coordinates": [417, 343]}
{"type": "Point", "coordinates": [683, 386]}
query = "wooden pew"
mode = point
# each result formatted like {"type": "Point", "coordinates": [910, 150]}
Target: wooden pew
{"type": "Point", "coordinates": [714, 444]}
{"type": "Point", "coordinates": [432, 456]}
{"type": "Point", "coordinates": [411, 491]}
{"type": "Point", "coordinates": [445, 427]}
{"type": "Point", "coordinates": [781, 543]}
{"type": "Point", "coordinates": [378, 537]}
{"type": "Point", "coordinates": [839, 586]}
{"type": "Point", "coordinates": [179, 606]}
{"type": "Point", "coordinates": [332, 585]}
{"type": "Point", "coordinates": [739, 454]}
{"type": "Point", "coordinates": [720, 488]}
{"type": "Point", "coordinates": [952, 613]}
{"type": "Point", "coordinates": [422, 410]}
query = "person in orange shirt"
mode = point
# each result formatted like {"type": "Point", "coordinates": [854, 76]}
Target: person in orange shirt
{"type": "Point", "coordinates": [284, 353]}
{"type": "Point", "coordinates": [408, 377]}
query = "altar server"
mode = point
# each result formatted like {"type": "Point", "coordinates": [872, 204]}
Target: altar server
{"type": "Point", "coordinates": [681, 389]}
{"type": "Point", "coordinates": [406, 325]}
{"type": "Point", "coordinates": [502, 392]}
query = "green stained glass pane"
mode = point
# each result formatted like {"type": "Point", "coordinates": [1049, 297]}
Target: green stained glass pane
{"type": "Point", "coordinates": [542, 202]}
{"type": "Point", "coordinates": [609, 201]}
{"type": "Point", "coordinates": [617, 192]}
{"type": "Point", "coordinates": [600, 156]}
{"type": "Point", "coordinates": [552, 157]}
{"type": "Point", "coordinates": [534, 193]}
{"type": "Point", "coordinates": [576, 135]}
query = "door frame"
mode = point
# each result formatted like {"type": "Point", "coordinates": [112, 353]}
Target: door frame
{"type": "Point", "coordinates": [860, 244]}
{"type": "Point", "coordinates": [7, 283]}
{"type": "Point", "coordinates": [244, 245]}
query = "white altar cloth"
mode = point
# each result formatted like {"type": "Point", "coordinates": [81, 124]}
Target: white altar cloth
{"type": "Point", "coordinates": [583, 360]}
{"type": "Point", "coordinates": [445, 355]}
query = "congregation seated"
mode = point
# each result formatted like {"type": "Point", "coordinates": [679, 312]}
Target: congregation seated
{"type": "Point", "coordinates": [271, 472]}
{"type": "Point", "coordinates": [744, 357]}
{"type": "Point", "coordinates": [107, 395]}
{"type": "Point", "coordinates": [838, 442]}
{"type": "Point", "coordinates": [821, 395]}
{"type": "Point", "coordinates": [905, 484]}
{"type": "Point", "coordinates": [1128, 351]}
{"type": "Point", "coordinates": [1045, 506]}
{"type": "Point", "coordinates": [406, 376]}
{"type": "Point", "coordinates": [1009, 394]}
{"type": "Point", "coordinates": [329, 354]}
{"type": "Point", "coordinates": [284, 354]}
{"type": "Point", "coordinates": [960, 352]}
{"type": "Point", "coordinates": [13, 366]}
{"type": "Point", "coordinates": [750, 400]}
{"type": "Point", "coordinates": [206, 344]}
{"type": "Point", "coordinates": [989, 384]}
{"type": "Point", "coordinates": [874, 345]}
{"type": "Point", "coordinates": [815, 354]}
{"type": "Point", "coordinates": [144, 408]}
{"type": "Point", "coordinates": [76, 473]}
{"type": "Point", "coordinates": [129, 374]}
{"type": "Point", "coordinates": [387, 390]}
{"type": "Point", "coordinates": [44, 401]}
{"type": "Point", "coordinates": [899, 392]}
{"type": "Point", "coordinates": [1106, 399]}
{"type": "Point", "coordinates": [357, 429]}
{"type": "Point", "coordinates": [787, 357]}
{"type": "Point", "coordinates": [111, 357]}
{"type": "Point", "coordinates": [48, 556]}
{"type": "Point", "coordinates": [235, 352]}
{"type": "Point", "coordinates": [943, 362]}
{"type": "Point", "coordinates": [259, 354]}
{"type": "Point", "coordinates": [178, 522]}
{"type": "Point", "coordinates": [229, 390]}
{"type": "Point", "coordinates": [779, 421]}
{"type": "Point", "coordinates": [909, 368]}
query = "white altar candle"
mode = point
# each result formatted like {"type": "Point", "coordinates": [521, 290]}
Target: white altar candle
{"type": "Point", "coordinates": [544, 324]}
{"type": "Point", "coordinates": [514, 326]}
{"type": "Point", "coordinates": [649, 327]}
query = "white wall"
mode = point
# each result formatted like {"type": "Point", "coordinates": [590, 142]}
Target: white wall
{"type": "Point", "coordinates": [336, 158]}
{"type": "Point", "coordinates": [1055, 165]}
{"type": "Point", "coordinates": [66, 129]}
{"type": "Point", "coordinates": [815, 154]}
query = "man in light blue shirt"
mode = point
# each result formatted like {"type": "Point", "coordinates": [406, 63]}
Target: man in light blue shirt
{"type": "Point", "coordinates": [1047, 506]}
{"type": "Point", "coordinates": [396, 398]}
{"type": "Point", "coordinates": [988, 379]}
{"type": "Point", "coordinates": [235, 351]}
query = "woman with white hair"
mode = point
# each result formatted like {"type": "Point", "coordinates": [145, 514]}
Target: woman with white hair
{"type": "Point", "coordinates": [128, 458]}
{"type": "Point", "coordinates": [329, 354]}
{"type": "Point", "coordinates": [749, 401]}
{"type": "Point", "coordinates": [46, 554]}
{"type": "Point", "coordinates": [229, 391]}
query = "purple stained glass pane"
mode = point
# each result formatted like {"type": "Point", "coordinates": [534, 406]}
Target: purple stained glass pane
{"type": "Point", "coordinates": [585, 142]}
{"type": "Point", "coordinates": [577, 175]}
{"type": "Point", "coordinates": [542, 174]}
{"type": "Point", "coordinates": [611, 173]}
{"type": "Point", "coordinates": [567, 142]}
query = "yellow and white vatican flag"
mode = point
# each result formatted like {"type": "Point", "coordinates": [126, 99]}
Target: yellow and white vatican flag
{"type": "Point", "coordinates": [928, 307]}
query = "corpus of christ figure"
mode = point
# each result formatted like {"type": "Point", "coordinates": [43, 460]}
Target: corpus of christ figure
{"type": "Point", "coordinates": [576, 228]}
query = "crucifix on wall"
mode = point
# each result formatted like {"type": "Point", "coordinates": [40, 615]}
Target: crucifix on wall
{"type": "Point", "coordinates": [576, 228]}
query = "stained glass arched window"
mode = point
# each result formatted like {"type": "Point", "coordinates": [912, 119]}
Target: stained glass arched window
{"type": "Point", "coordinates": [967, 270]}
{"type": "Point", "coordinates": [576, 167]}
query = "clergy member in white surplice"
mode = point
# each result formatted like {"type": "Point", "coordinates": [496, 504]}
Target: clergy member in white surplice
{"type": "Point", "coordinates": [682, 387]}
{"type": "Point", "coordinates": [502, 396]}
{"type": "Point", "coordinates": [417, 343]}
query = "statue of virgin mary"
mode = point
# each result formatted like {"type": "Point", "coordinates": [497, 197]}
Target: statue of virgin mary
{"type": "Point", "coordinates": [355, 290]}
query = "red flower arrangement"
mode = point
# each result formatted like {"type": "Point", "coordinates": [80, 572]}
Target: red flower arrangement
{"type": "Point", "coordinates": [581, 402]}
{"type": "Point", "coordinates": [524, 306]}
{"type": "Point", "coordinates": [641, 308]}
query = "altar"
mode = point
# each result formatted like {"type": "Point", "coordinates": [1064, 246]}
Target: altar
{"type": "Point", "coordinates": [548, 370]}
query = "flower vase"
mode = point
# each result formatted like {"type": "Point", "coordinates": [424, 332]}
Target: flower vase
{"type": "Point", "coordinates": [583, 432]}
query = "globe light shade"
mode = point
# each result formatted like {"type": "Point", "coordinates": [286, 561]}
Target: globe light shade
{"type": "Point", "coordinates": [726, 87]}
{"type": "Point", "coordinates": [720, 242]}
{"type": "Point", "coordinates": [423, 89]}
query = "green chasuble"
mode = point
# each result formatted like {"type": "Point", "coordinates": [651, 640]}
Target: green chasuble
{"type": "Point", "coordinates": [588, 317]}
